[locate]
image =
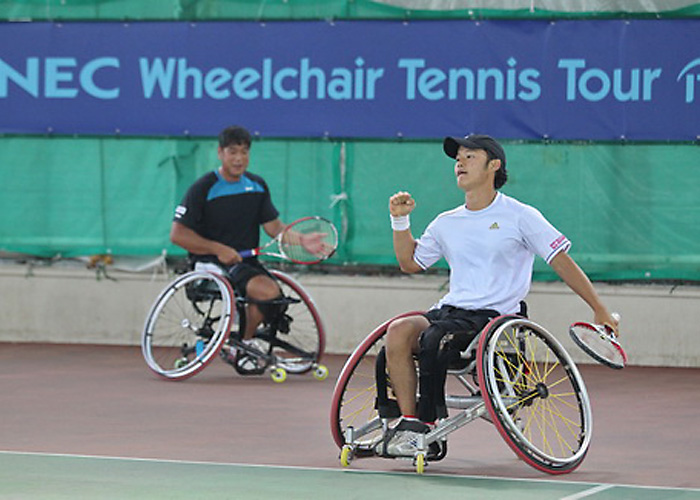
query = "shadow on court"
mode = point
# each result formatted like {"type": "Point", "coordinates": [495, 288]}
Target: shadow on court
{"type": "Point", "coordinates": [102, 400]}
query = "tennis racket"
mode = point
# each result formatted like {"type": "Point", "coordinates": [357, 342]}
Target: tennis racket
{"type": "Point", "coordinates": [599, 342]}
{"type": "Point", "coordinates": [305, 241]}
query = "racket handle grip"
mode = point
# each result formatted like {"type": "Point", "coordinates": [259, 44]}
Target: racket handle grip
{"type": "Point", "coordinates": [247, 253]}
{"type": "Point", "coordinates": [616, 316]}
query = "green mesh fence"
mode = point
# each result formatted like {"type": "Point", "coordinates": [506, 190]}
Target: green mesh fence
{"type": "Point", "coordinates": [630, 210]}
{"type": "Point", "coordinates": [193, 10]}
{"type": "Point", "coordinates": [628, 215]}
{"type": "Point", "coordinates": [84, 196]}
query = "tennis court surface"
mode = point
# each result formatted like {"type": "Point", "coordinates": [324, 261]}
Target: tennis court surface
{"type": "Point", "coordinates": [92, 422]}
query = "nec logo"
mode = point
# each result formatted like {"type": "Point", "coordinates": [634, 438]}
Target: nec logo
{"type": "Point", "coordinates": [690, 79]}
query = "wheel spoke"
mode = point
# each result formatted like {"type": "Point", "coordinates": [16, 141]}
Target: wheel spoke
{"type": "Point", "coordinates": [548, 422]}
{"type": "Point", "coordinates": [183, 316]}
{"type": "Point", "coordinates": [299, 349]}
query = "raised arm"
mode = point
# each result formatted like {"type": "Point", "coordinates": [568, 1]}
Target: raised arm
{"type": "Point", "coordinates": [400, 206]}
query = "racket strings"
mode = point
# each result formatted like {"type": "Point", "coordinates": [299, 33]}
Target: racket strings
{"type": "Point", "coordinates": [600, 344]}
{"type": "Point", "coordinates": [309, 240]}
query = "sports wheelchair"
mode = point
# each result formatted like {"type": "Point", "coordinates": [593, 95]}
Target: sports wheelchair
{"type": "Point", "coordinates": [514, 374]}
{"type": "Point", "coordinates": [197, 317]}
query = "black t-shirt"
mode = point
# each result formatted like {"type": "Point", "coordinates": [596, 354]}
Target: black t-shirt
{"type": "Point", "coordinates": [228, 212]}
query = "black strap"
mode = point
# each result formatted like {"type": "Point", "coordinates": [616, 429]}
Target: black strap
{"type": "Point", "coordinates": [435, 356]}
{"type": "Point", "coordinates": [387, 407]}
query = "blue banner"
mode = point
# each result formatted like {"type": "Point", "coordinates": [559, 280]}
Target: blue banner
{"type": "Point", "coordinates": [564, 80]}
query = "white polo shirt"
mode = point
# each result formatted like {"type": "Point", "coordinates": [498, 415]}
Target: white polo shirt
{"type": "Point", "coordinates": [490, 252]}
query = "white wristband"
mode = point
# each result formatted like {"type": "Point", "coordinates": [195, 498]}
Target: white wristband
{"type": "Point", "coordinates": [400, 223]}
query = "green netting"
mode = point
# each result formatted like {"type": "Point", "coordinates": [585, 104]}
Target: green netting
{"type": "Point", "coordinates": [628, 216]}
{"type": "Point", "coordinates": [73, 197]}
{"type": "Point", "coordinates": [630, 210]}
{"type": "Point", "coordinates": [193, 10]}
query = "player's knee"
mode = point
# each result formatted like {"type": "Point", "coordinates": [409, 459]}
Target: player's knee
{"type": "Point", "coordinates": [401, 337]}
{"type": "Point", "coordinates": [262, 288]}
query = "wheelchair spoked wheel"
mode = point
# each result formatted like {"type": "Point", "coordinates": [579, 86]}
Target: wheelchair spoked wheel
{"type": "Point", "coordinates": [354, 396]}
{"type": "Point", "coordinates": [187, 325]}
{"type": "Point", "coordinates": [534, 394]}
{"type": "Point", "coordinates": [300, 339]}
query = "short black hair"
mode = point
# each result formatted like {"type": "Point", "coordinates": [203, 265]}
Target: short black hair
{"type": "Point", "coordinates": [234, 135]}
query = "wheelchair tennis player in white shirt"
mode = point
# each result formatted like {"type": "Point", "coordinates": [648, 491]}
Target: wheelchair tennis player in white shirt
{"type": "Point", "coordinates": [490, 244]}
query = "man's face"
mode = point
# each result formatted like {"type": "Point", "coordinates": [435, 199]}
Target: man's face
{"type": "Point", "coordinates": [472, 169]}
{"type": "Point", "coordinates": [234, 161]}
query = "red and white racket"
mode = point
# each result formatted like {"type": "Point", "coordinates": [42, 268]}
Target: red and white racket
{"type": "Point", "coordinates": [599, 342]}
{"type": "Point", "coordinates": [305, 241]}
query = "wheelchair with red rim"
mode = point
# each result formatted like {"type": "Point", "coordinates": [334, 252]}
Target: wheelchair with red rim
{"type": "Point", "coordinates": [514, 374]}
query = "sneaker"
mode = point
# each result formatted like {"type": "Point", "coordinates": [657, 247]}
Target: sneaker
{"type": "Point", "coordinates": [251, 362]}
{"type": "Point", "coordinates": [228, 354]}
{"type": "Point", "coordinates": [247, 365]}
{"type": "Point", "coordinates": [255, 344]}
{"type": "Point", "coordinates": [402, 440]}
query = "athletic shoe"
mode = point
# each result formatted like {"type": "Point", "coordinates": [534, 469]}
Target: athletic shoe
{"type": "Point", "coordinates": [228, 354]}
{"type": "Point", "coordinates": [402, 440]}
{"type": "Point", "coordinates": [252, 362]}
{"type": "Point", "coordinates": [248, 365]}
{"type": "Point", "coordinates": [256, 345]}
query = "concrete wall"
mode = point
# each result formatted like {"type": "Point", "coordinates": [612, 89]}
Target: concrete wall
{"type": "Point", "coordinates": [55, 304]}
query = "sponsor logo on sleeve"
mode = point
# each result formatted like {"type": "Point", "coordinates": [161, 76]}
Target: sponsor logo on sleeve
{"type": "Point", "coordinates": [558, 242]}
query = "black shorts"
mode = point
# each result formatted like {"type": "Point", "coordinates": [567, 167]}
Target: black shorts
{"type": "Point", "coordinates": [240, 274]}
{"type": "Point", "coordinates": [464, 324]}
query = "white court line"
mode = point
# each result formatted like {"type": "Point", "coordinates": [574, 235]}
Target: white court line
{"type": "Point", "coordinates": [354, 471]}
{"type": "Point", "coordinates": [589, 492]}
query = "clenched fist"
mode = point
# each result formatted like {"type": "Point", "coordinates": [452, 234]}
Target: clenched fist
{"type": "Point", "coordinates": [402, 203]}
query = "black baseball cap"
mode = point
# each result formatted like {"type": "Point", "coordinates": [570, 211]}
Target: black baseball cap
{"type": "Point", "coordinates": [475, 141]}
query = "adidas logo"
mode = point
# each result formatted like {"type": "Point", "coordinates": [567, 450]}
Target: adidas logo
{"type": "Point", "coordinates": [494, 226]}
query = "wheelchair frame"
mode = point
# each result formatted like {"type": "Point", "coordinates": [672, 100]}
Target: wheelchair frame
{"type": "Point", "coordinates": [194, 319]}
{"type": "Point", "coordinates": [515, 374]}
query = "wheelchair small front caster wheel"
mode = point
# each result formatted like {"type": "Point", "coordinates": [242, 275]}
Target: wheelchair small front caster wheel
{"type": "Point", "coordinates": [346, 456]}
{"type": "Point", "coordinates": [180, 363]}
{"type": "Point", "coordinates": [321, 372]}
{"type": "Point", "coordinates": [420, 463]}
{"type": "Point", "coordinates": [278, 375]}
